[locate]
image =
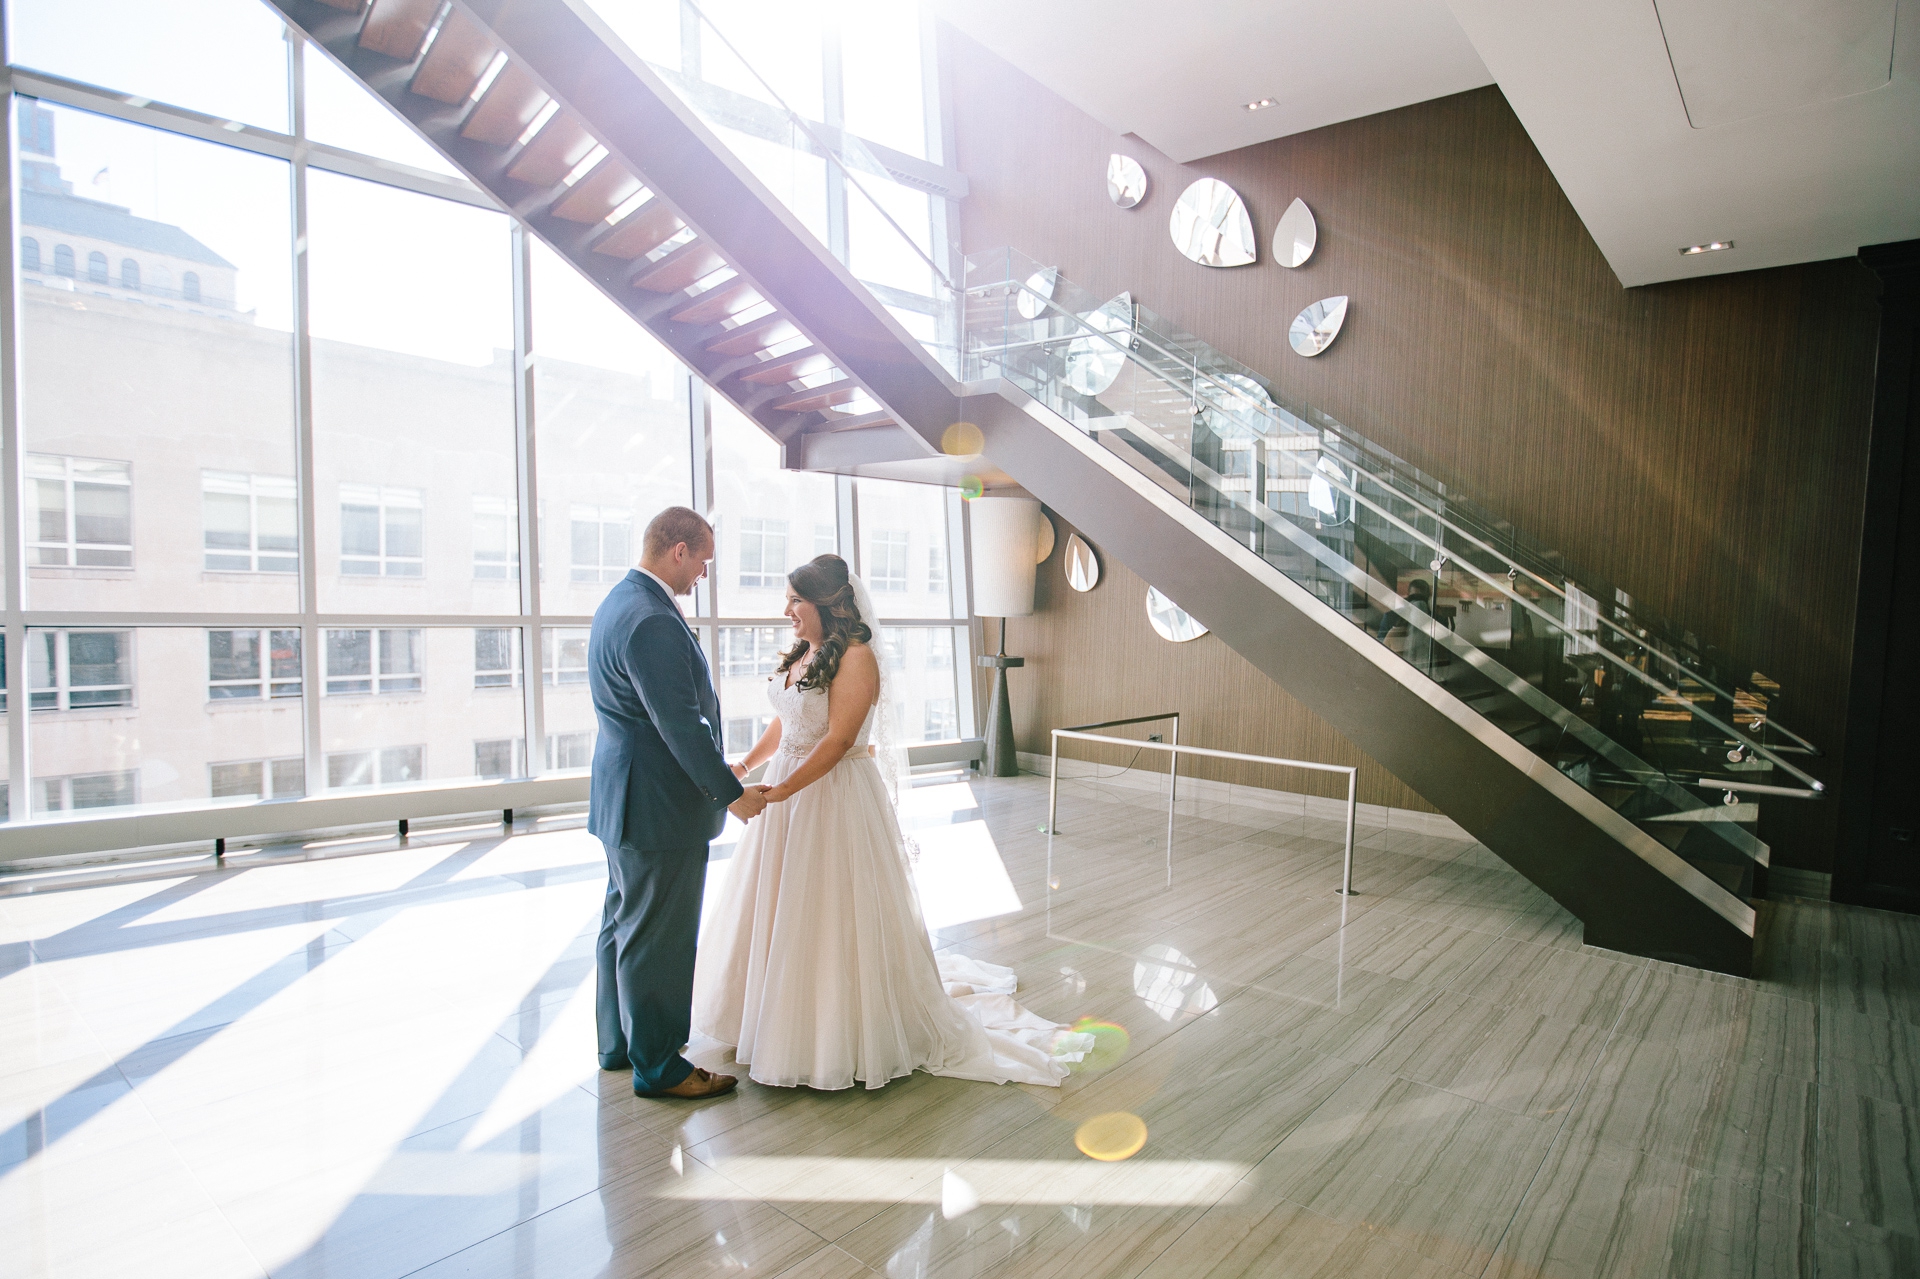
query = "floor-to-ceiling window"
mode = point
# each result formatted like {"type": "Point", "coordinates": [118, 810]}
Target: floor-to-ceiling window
{"type": "Point", "coordinates": [322, 463]}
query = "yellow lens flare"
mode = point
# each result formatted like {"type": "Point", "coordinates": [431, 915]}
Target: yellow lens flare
{"type": "Point", "coordinates": [962, 439]}
{"type": "Point", "coordinates": [1111, 1137]}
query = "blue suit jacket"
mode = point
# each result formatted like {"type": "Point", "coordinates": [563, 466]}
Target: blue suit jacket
{"type": "Point", "coordinates": [659, 778]}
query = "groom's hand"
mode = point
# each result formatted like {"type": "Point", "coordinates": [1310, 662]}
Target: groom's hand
{"type": "Point", "coordinates": [750, 804]}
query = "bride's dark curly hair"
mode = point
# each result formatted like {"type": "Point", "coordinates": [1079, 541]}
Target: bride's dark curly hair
{"type": "Point", "coordinates": [823, 582]}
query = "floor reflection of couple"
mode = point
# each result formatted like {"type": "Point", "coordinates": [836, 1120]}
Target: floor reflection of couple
{"type": "Point", "coordinates": [816, 968]}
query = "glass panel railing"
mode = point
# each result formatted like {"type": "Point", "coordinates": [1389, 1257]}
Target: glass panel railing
{"type": "Point", "coordinates": [1372, 540]}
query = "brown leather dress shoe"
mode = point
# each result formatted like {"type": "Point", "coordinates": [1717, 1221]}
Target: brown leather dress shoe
{"type": "Point", "coordinates": [699, 1084]}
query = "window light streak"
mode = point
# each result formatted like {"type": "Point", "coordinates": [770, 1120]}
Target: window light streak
{"type": "Point", "coordinates": [488, 76]}
{"type": "Point", "coordinates": [587, 165]}
{"type": "Point", "coordinates": [829, 1179]}
{"type": "Point", "coordinates": [538, 123]}
{"type": "Point", "coordinates": [562, 1058]}
{"type": "Point", "coordinates": [961, 876]}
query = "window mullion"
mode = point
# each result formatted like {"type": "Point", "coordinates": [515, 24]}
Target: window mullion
{"type": "Point", "coordinates": [311, 637]}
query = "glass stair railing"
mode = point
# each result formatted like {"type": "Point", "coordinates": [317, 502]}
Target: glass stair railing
{"type": "Point", "coordinates": [1637, 720]}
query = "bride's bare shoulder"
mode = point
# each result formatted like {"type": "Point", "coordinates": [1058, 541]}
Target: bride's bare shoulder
{"type": "Point", "coordinates": [860, 655]}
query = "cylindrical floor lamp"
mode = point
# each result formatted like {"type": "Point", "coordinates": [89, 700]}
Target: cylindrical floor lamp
{"type": "Point", "coordinates": [1006, 545]}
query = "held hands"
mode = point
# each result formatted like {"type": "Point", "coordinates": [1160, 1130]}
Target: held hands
{"type": "Point", "coordinates": [750, 804]}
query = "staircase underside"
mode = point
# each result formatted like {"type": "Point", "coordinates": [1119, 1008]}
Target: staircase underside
{"type": "Point", "coordinates": [714, 267]}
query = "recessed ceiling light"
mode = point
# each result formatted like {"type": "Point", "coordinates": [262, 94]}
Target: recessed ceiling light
{"type": "Point", "coordinates": [1261, 105]}
{"type": "Point", "coordinates": [1712, 247]}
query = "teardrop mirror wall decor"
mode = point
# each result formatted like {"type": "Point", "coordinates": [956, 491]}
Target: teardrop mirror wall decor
{"type": "Point", "coordinates": [1081, 563]}
{"type": "Point", "coordinates": [1126, 181]}
{"type": "Point", "coordinates": [1092, 362]}
{"type": "Point", "coordinates": [1296, 236]}
{"type": "Point", "coordinates": [1315, 328]}
{"type": "Point", "coordinates": [1169, 621]}
{"type": "Point", "coordinates": [1038, 291]}
{"type": "Point", "coordinates": [1043, 546]}
{"type": "Point", "coordinates": [1210, 225]}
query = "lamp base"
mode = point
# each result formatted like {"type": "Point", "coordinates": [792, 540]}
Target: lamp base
{"type": "Point", "coordinates": [1003, 759]}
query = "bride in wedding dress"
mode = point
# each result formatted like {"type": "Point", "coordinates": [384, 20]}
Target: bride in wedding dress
{"type": "Point", "coordinates": [815, 967]}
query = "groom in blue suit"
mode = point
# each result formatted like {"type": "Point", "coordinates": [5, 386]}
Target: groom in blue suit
{"type": "Point", "coordinates": [661, 791]}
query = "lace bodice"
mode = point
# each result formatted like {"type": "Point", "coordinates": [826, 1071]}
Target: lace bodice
{"type": "Point", "coordinates": [803, 717]}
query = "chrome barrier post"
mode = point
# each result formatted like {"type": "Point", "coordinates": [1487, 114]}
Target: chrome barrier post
{"type": "Point", "coordinates": [1353, 795]}
{"type": "Point", "coordinates": [1053, 788]}
{"type": "Point", "coordinates": [1173, 765]}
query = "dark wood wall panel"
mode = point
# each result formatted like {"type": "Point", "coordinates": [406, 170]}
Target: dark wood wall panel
{"type": "Point", "coordinates": [1702, 444]}
{"type": "Point", "coordinates": [1093, 657]}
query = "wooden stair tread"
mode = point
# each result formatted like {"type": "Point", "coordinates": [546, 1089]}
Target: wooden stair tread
{"type": "Point", "coordinates": [460, 55]}
{"type": "Point", "coordinates": [397, 28]}
{"type": "Point", "coordinates": [787, 368]}
{"type": "Point", "coordinates": [640, 232]}
{"type": "Point", "coordinates": [593, 197]}
{"type": "Point", "coordinates": [756, 335]}
{"type": "Point", "coordinates": [692, 261]}
{"type": "Point", "coordinates": [718, 303]}
{"type": "Point", "coordinates": [506, 108]}
{"type": "Point", "coordinates": [820, 397]}
{"type": "Point", "coordinates": [561, 144]}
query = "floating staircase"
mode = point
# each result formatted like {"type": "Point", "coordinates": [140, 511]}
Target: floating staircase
{"type": "Point", "coordinates": [540, 105]}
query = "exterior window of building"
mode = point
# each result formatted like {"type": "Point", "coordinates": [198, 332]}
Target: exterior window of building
{"type": "Point", "coordinates": [937, 569]}
{"type": "Point", "coordinates": [250, 523]}
{"type": "Point", "coordinates": [750, 650]}
{"type": "Point", "coordinates": [29, 253]}
{"type": "Point", "coordinates": [63, 260]}
{"type": "Point", "coordinates": [381, 533]}
{"type": "Point", "coordinates": [253, 664]}
{"type": "Point", "coordinates": [740, 734]}
{"type": "Point", "coordinates": [887, 560]}
{"type": "Point", "coordinates": [496, 539]}
{"type": "Point", "coordinates": [892, 641]}
{"type": "Point", "coordinates": [258, 779]}
{"type": "Point", "coordinates": [79, 670]}
{"type": "Point", "coordinates": [499, 758]}
{"type": "Point", "coordinates": [570, 750]}
{"type": "Point", "coordinates": [86, 790]}
{"type": "Point", "coordinates": [602, 543]}
{"type": "Point", "coordinates": [496, 657]}
{"type": "Point", "coordinates": [388, 766]}
{"type": "Point", "coordinates": [563, 654]}
{"type": "Point", "coordinates": [79, 512]}
{"type": "Point", "coordinates": [190, 286]}
{"type": "Point", "coordinates": [389, 660]}
{"type": "Point", "coordinates": [939, 650]}
{"type": "Point", "coordinates": [129, 274]}
{"type": "Point", "coordinates": [96, 267]}
{"type": "Point", "coordinates": [763, 553]}
{"type": "Point", "coordinates": [825, 541]}
{"type": "Point", "coordinates": [941, 725]}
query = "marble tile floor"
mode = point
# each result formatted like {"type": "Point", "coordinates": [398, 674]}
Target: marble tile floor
{"type": "Point", "coordinates": [381, 1064]}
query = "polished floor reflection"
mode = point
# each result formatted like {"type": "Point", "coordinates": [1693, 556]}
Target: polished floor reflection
{"type": "Point", "coordinates": [332, 1061]}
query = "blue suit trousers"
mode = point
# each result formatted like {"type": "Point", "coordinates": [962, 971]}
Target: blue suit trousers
{"type": "Point", "coordinates": [648, 931]}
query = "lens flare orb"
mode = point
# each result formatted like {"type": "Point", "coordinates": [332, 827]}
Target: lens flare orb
{"type": "Point", "coordinates": [1111, 1137]}
{"type": "Point", "coordinates": [962, 439]}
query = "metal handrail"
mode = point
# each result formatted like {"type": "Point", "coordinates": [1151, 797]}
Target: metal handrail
{"type": "Point", "coordinates": [1116, 723]}
{"type": "Point", "coordinates": [1053, 779]}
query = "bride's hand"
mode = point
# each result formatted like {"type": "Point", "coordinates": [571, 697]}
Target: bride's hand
{"type": "Point", "coordinates": [776, 794]}
{"type": "Point", "coordinates": [739, 771]}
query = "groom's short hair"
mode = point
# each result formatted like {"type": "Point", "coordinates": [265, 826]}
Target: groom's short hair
{"type": "Point", "coordinates": [673, 526]}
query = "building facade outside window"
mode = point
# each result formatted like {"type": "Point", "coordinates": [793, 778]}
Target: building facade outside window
{"type": "Point", "coordinates": [183, 364]}
{"type": "Point", "coordinates": [496, 657]}
{"type": "Point", "coordinates": [763, 553]}
{"type": "Point", "coordinates": [79, 512]}
{"type": "Point", "coordinates": [496, 539]}
{"type": "Point", "coordinates": [258, 779]}
{"type": "Point", "coordinates": [375, 661]}
{"type": "Point", "coordinates": [602, 542]}
{"type": "Point", "coordinates": [499, 758]}
{"type": "Point", "coordinates": [887, 560]}
{"type": "Point", "coordinates": [79, 670]}
{"type": "Point", "coordinates": [253, 664]}
{"type": "Point", "coordinates": [387, 766]}
{"type": "Point", "coordinates": [381, 531]}
{"type": "Point", "coordinates": [250, 523]}
{"type": "Point", "coordinates": [563, 654]}
{"type": "Point", "coordinates": [940, 722]}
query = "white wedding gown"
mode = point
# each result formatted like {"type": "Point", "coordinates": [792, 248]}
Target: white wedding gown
{"type": "Point", "coordinates": [815, 967]}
